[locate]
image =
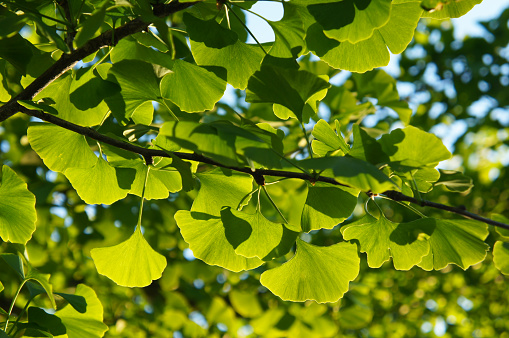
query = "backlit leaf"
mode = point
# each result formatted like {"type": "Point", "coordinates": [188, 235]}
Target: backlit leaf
{"type": "Point", "coordinates": [84, 325]}
{"type": "Point", "coordinates": [206, 237]}
{"type": "Point", "coordinates": [132, 263]}
{"type": "Point", "coordinates": [459, 242]}
{"type": "Point", "coordinates": [414, 148]}
{"type": "Point", "coordinates": [327, 206]}
{"type": "Point", "coordinates": [351, 20]}
{"type": "Point", "coordinates": [382, 239]}
{"type": "Point", "coordinates": [101, 184]}
{"type": "Point", "coordinates": [17, 208]}
{"type": "Point", "coordinates": [60, 148]}
{"type": "Point", "coordinates": [447, 9]}
{"type": "Point", "coordinates": [251, 235]}
{"type": "Point", "coordinates": [202, 90]}
{"type": "Point", "coordinates": [501, 256]}
{"type": "Point", "coordinates": [317, 273]}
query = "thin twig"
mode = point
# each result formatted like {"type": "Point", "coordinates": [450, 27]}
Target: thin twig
{"type": "Point", "coordinates": [67, 61]}
{"type": "Point", "coordinates": [145, 152]}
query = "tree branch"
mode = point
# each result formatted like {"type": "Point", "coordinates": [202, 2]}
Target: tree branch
{"type": "Point", "coordinates": [257, 174]}
{"type": "Point", "coordinates": [67, 61]}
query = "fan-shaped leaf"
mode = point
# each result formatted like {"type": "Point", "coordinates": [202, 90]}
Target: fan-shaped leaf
{"type": "Point", "coordinates": [318, 273]}
{"type": "Point", "coordinates": [208, 241]}
{"type": "Point", "coordinates": [17, 208]}
{"type": "Point", "coordinates": [132, 263]}
{"type": "Point", "coordinates": [501, 256]}
{"type": "Point", "coordinates": [84, 325]}
{"type": "Point", "coordinates": [381, 239]}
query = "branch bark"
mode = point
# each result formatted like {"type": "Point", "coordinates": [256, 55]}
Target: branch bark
{"type": "Point", "coordinates": [257, 174]}
{"type": "Point", "coordinates": [67, 61]}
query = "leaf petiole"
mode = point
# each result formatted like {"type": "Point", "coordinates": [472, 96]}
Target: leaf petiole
{"type": "Point", "coordinates": [274, 204]}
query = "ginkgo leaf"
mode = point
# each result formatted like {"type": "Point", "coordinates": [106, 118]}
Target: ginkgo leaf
{"type": "Point", "coordinates": [327, 140]}
{"type": "Point", "coordinates": [317, 273]}
{"type": "Point", "coordinates": [109, 184]}
{"type": "Point", "coordinates": [455, 181]}
{"type": "Point", "coordinates": [449, 9]}
{"type": "Point", "coordinates": [206, 236]}
{"type": "Point", "coordinates": [288, 87]}
{"type": "Point", "coordinates": [162, 179]}
{"type": "Point", "coordinates": [251, 235]}
{"type": "Point", "coordinates": [132, 263]}
{"type": "Point", "coordinates": [79, 99]}
{"type": "Point", "coordinates": [131, 102]}
{"type": "Point", "coordinates": [501, 256]}
{"type": "Point", "coordinates": [214, 45]}
{"type": "Point", "coordinates": [84, 325]}
{"type": "Point", "coordinates": [218, 190]}
{"type": "Point", "coordinates": [352, 172]}
{"type": "Point", "coordinates": [327, 206]}
{"type": "Point", "coordinates": [504, 233]}
{"type": "Point", "coordinates": [366, 148]}
{"type": "Point", "coordinates": [1, 287]}
{"type": "Point", "coordinates": [459, 242]}
{"type": "Point", "coordinates": [202, 90]}
{"type": "Point", "coordinates": [381, 239]}
{"type": "Point", "coordinates": [17, 208]}
{"type": "Point", "coordinates": [351, 20]}
{"type": "Point", "coordinates": [414, 148]}
{"type": "Point", "coordinates": [43, 280]}
{"type": "Point", "coordinates": [60, 148]}
{"type": "Point", "coordinates": [288, 33]}
{"type": "Point", "coordinates": [370, 53]}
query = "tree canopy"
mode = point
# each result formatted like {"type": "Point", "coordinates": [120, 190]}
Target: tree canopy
{"type": "Point", "coordinates": [166, 173]}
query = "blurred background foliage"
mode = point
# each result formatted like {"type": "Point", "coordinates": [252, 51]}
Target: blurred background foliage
{"type": "Point", "coordinates": [458, 90]}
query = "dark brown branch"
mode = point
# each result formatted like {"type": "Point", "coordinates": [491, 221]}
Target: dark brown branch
{"type": "Point", "coordinates": [257, 174]}
{"type": "Point", "coordinates": [397, 196]}
{"type": "Point", "coordinates": [67, 61]}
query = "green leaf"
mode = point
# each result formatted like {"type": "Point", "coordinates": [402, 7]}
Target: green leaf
{"type": "Point", "coordinates": [414, 148]}
{"type": "Point", "coordinates": [381, 239]}
{"type": "Point", "coordinates": [447, 9]}
{"type": "Point", "coordinates": [132, 263]}
{"type": "Point", "coordinates": [3, 334]}
{"type": "Point", "coordinates": [51, 323]}
{"type": "Point", "coordinates": [206, 236]}
{"type": "Point", "coordinates": [455, 181]}
{"type": "Point", "coordinates": [366, 148]}
{"type": "Point", "coordinates": [17, 208]}
{"type": "Point", "coordinates": [43, 280]}
{"type": "Point", "coordinates": [501, 256]}
{"type": "Point", "coordinates": [79, 99]}
{"type": "Point", "coordinates": [504, 233]}
{"type": "Point", "coordinates": [382, 86]}
{"type": "Point", "coordinates": [287, 87]}
{"type": "Point", "coordinates": [16, 51]}
{"type": "Point", "coordinates": [317, 273]}
{"type": "Point", "coordinates": [327, 206]}
{"type": "Point", "coordinates": [371, 53]}
{"type": "Point", "coordinates": [15, 262]}
{"type": "Point", "coordinates": [459, 242]}
{"type": "Point", "coordinates": [162, 179]}
{"type": "Point", "coordinates": [132, 48]}
{"type": "Point", "coordinates": [60, 148]}
{"type": "Point", "coordinates": [202, 90]}
{"type": "Point", "coordinates": [288, 33]}
{"type": "Point", "coordinates": [79, 303]}
{"type": "Point", "coordinates": [91, 25]}
{"type": "Point", "coordinates": [214, 45]}
{"type": "Point", "coordinates": [134, 103]}
{"type": "Point", "coordinates": [201, 138]}
{"type": "Point", "coordinates": [251, 235]}
{"type": "Point", "coordinates": [101, 184]}
{"type": "Point", "coordinates": [245, 303]}
{"type": "Point", "coordinates": [1, 287]}
{"type": "Point", "coordinates": [327, 140]}
{"type": "Point", "coordinates": [218, 190]}
{"type": "Point", "coordinates": [352, 172]}
{"type": "Point", "coordinates": [351, 20]}
{"type": "Point", "coordinates": [84, 325]}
